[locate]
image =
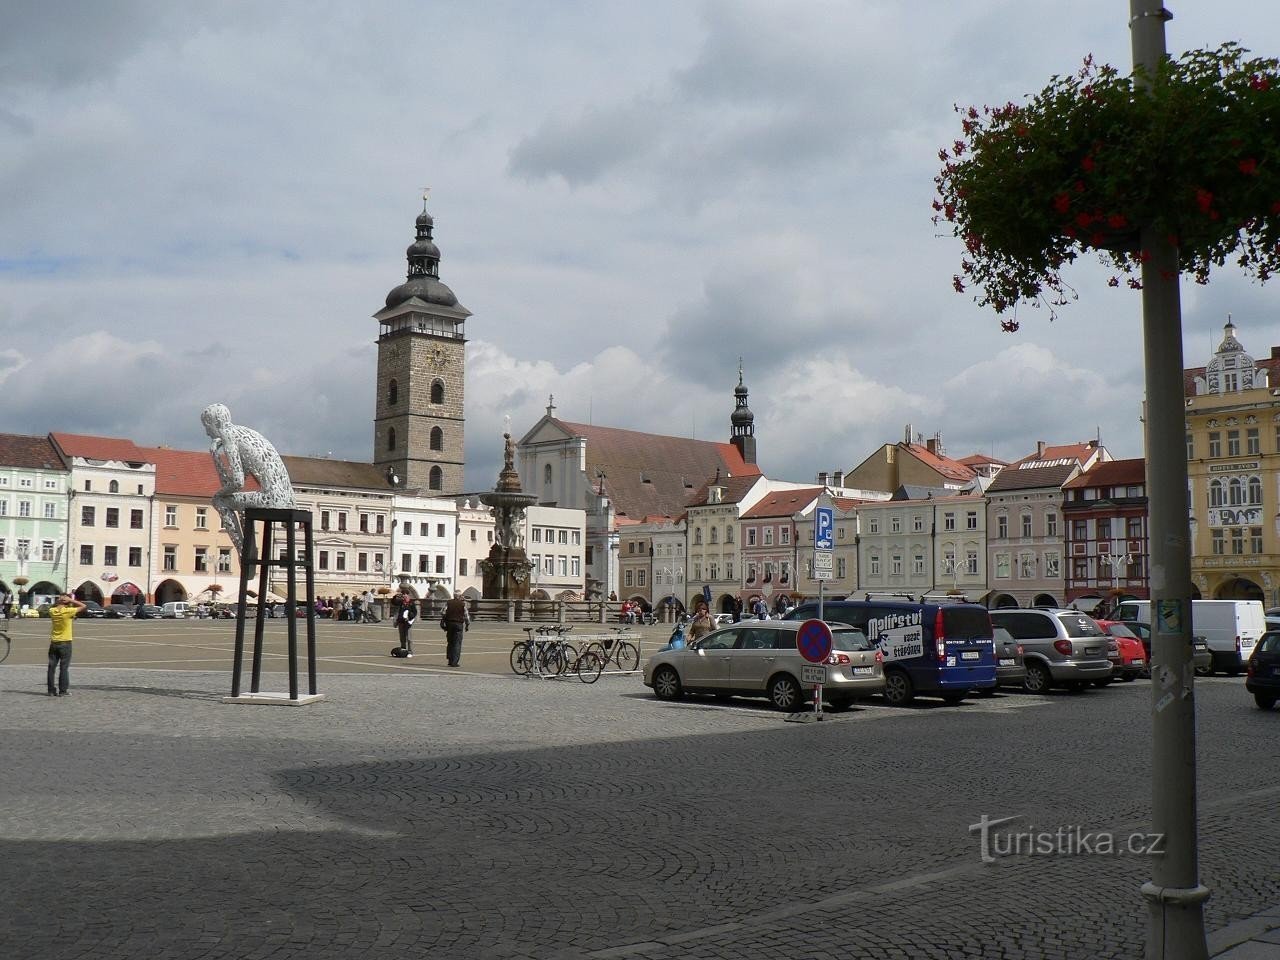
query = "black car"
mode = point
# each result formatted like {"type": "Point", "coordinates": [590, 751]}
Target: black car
{"type": "Point", "coordinates": [1201, 657]}
{"type": "Point", "coordinates": [121, 611]}
{"type": "Point", "coordinates": [92, 609]}
{"type": "Point", "coordinates": [148, 611]}
{"type": "Point", "coordinates": [1010, 670]}
{"type": "Point", "coordinates": [1262, 672]}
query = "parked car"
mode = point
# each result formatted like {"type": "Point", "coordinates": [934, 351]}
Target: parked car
{"type": "Point", "coordinates": [92, 609]}
{"type": "Point", "coordinates": [1133, 655]}
{"type": "Point", "coordinates": [1010, 670]}
{"type": "Point", "coordinates": [1262, 672]}
{"type": "Point", "coordinates": [1231, 627]}
{"type": "Point", "coordinates": [759, 659]}
{"type": "Point", "coordinates": [121, 611]}
{"type": "Point", "coordinates": [148, 611]}
{"type": "Point", "coordinates": [174, 610]}
{"type": "Point", "coordinates": [1060, 647]}
{"type": "Point", "coordinates": [936, 649]}
{"type": "Point", "coordinates": [1201, 655]}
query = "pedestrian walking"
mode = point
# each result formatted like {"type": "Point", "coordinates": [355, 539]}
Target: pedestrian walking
{"type": "Point", "coordinates": [702, 623]}
{"type": "Point", "coordinates": [456, 620]}
{"type": "Point", "coordinates": [61, 616]}
{"type": "Point", "coordinates": [405, 618]}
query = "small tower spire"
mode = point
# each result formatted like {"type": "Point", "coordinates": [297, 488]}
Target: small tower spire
{"type": "Point", "coordinates": [743, 421]}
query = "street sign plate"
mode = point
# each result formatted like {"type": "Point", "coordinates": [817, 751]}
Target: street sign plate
{"type": "Point", "coordinates": [813, 640]}
{"type": "Point", "coordinates": [813, 673]}
{"type": "Point", "coordinates": [826, 574]}
{"type": "Point", "coordinates": [823, 559]}
{"type": "Point", "coordinates": [824, 522]}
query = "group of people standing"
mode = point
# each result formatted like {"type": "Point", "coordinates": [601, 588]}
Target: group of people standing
{"type": "Point", "coordinates": [455, 620]}
{"type": "Point", "coordinates": [357, 608]}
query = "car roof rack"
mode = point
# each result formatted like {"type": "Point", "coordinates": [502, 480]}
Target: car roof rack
{"type": "Point", "coordinates": [930, 596]}
{"type": "Point", "coordinates": [888, 595]}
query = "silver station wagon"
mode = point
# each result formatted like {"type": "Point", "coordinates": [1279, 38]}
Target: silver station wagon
{"type": "Point", "coordinates": [758, 658]}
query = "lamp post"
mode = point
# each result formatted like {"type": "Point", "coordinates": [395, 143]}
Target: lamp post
{"type": "Point", "coordinates": [1116, 561]}
{"type": "Point", "coordinates": [674, 575]}
{"type": "Point", "coordinates": [950, 567]}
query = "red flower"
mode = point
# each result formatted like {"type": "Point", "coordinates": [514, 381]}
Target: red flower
{"type": "Point", "coordinates": [1096, 239]}
{"type": "Point", "coordinates": [1117, 221]}
{"type": "Point", "coordinates": [958, 147]}
{"type": "Point", "coordinates": [1009, 326]}
{"type": "Point", "coordinates": [957, 283]}
{"type": "Point", "coordinates": [1084, 218]}
{"type": "Point", "coordinates": [1113, 282]}
{"type": "Point", "coordinates": [1088, 163]}
{"type": "Point", "coordinates": [1079, 186]}
{"type": "Point", "coordinates": [1069, 232]}
{"type": "Point", "coordinates": [942, 155]}
{"type": "Point", "coordinates": [1248, 166]}
{"type": "Point", "coordinates": [1204, 199]}
{"type": "Point", "coordinates": [1259, 82]}
{"type": "Point", "coordinates": [1062, 203]}
{"type": "Point", "coordinates": [972, 242]}
{"type": "Point", "coordinates": [1275, 207]}
{"type": "Point", "coordinates": [936, 205]}
{"type": "Point", "coordinates": [1020, 130]}
{"type": "Point", "coordinates": [949, 211]}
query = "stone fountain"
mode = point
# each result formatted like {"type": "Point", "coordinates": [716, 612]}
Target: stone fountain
{"type": "Point", "coordinates": [506, 570]}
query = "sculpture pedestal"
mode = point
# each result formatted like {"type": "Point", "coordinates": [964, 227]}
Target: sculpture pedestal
{"type": "Point", "coordinates": [276, 699]}
{"type": "Point", "coordinates": [260, 554]}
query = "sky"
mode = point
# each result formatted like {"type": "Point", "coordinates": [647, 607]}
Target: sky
{"type": "Point", "coordinates": [209, 202]}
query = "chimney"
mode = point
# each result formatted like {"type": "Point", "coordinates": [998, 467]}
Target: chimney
{"type": "Point", "coordinates": [1039, 449]}
{"type": "Point", "coordinates": [837, 478]}
{"type": "Point", "coordinates": [822, 478]}
{"type": "Point", "coordinates": [932, 445]}
{"type": "Point", "coordinates": [1275, 353]}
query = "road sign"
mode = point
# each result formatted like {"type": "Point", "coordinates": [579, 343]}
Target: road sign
{"type": "Point", "coordinates": [813, 673]}
{"type": "Point", "coordinates": [813, 640]}
{"type": "Point", "coordinates": [823, 565]}
{"type": "Point", "coordinates": [824, 528]}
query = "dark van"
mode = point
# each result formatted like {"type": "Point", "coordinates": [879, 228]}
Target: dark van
{"type": "Point", "coordinates": [936, 649]}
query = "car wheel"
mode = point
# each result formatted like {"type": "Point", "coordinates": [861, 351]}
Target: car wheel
{"type": "Point", "coordinates": [1038, 679]}
{"type": "Point", "coordinates": [785, 693]}
{"type": "Point", "coordinates": [1204, 671]}
{"type": "Point", "coordinates": [898, 690]}
{"type": "Point", "coordinates": [1265, 701]}
{"type": "Point", "coordinates": [666, 684]}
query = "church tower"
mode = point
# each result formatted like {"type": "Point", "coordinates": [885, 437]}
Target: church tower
{"type": "Point", "coordinates": [744, 422]}
{"type": "Point", "coordinates": [418, 418]}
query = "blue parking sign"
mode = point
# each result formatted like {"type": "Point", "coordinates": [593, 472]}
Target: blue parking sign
{"type": "Point", "coordinates": [824, 524]}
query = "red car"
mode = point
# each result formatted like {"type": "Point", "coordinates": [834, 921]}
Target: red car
{"type": "Point", "coordinates": [1133, 656]}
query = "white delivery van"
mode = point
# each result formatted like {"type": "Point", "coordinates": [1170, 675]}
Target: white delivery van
{"type": "Point", "coordinates": [174, 610]}
{"type": "Point", "coordinates": [1232, 627]}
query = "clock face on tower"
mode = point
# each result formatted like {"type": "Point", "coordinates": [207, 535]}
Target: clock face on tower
{"type": "Point", "coordinates": [438, 357]}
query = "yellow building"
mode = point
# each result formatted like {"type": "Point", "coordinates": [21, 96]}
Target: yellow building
{"type": "Point", "coordinates": [1233, 468]}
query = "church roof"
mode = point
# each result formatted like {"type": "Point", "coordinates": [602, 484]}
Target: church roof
{"type": "Point", "coordinates": [32, 453]}
{"type": "Point", "coordinates": [647, 473]}
{"type": "Point", "coordinates": [783, 503]}
{"type": "Point", "coordinates": [324, 472]}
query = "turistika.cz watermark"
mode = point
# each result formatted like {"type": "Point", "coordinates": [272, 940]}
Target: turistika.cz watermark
{"type": "Point", "coordinates": [996, 840]}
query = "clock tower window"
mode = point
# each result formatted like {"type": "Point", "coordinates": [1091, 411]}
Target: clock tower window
{"type": "Point", "coordinates": [393, 392]}
{"type": "Point", "coordinates": [391, 438]}
{"type": "Point", "coordinates": [437, 391]}
{"type": "Point", "coordinates": [437, 438]}
{"type": "Point", "coordinates": [436, 481]}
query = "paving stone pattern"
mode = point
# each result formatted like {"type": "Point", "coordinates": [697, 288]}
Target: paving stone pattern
{"type": "Point", "coordinates": [480, 816]}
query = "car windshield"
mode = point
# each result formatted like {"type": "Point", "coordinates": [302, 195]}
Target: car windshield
{"type": "Point", "coordinates": [849, 638]}
{"type": "Point", "coordinates": [1078, 625]}
{"type": "Point", "coordinates": [1270, 643]}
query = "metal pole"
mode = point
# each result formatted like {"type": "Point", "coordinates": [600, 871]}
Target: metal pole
{"type": "Point", "coordinates": [1175, 897]}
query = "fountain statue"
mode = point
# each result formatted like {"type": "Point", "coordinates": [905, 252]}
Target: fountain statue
{"type": "Point", "coordinates": [506, 570]}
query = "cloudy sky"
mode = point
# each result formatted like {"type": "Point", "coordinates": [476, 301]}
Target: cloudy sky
{"type": "Point", "coordinates": [208, 202]}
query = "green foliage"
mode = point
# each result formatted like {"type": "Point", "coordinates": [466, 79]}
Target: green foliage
{"type": "Point", "coordinates": [1193, 151]}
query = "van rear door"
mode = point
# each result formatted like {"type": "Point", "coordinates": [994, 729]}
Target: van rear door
{"type": "Point", "coordinates": [964, 647]}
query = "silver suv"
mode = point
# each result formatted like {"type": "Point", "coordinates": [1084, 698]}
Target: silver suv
{"type": "Point", "coordinates": [1060, 647]}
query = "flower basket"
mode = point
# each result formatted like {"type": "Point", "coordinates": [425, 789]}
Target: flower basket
{"type": "Point", "coordinates": [22, 581]}
{"type": "Point", "coordinates": [384, 591]}
{"type": "Point", "coordinates": [1085, 163]}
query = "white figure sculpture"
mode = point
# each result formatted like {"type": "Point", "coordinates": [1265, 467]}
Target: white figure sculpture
{"type": "Point", "coordinates": [237, 451]}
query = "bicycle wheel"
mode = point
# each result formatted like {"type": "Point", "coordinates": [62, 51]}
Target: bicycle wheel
{"type": "Point", "coordinates": [627, 655]}
{"type": "Point", "coordinates": [589, 667]}
{"type": "Point", "coordinates": [521, 659]}
{"type": "Point", "coordinates": [566, 657]}
{"type": "Point", "coordinates": [4, 647]}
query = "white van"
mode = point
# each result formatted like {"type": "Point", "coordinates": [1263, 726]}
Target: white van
{"type": "Point", "coordinates": [174, 610]}
{"type": "Point", "coordinates": [1232, 627]}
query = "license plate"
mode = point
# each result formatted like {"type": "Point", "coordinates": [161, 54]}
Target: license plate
{"type": "Point", "coordinates": [1008, 663]}
{"type": "Point", "coordinates": [1093, 651]}
{"type": "Point", "coordinates": [971, 655]}
{"type": "Point", "coordinates": [863, 671]}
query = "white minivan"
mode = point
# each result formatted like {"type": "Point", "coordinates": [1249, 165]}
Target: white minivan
{"type": "Point", "coordinates": [174, 610]}
{"type": "Point", "coordinates": [1232, 627]}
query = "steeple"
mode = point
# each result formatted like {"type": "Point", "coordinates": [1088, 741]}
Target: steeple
{"type": "Point", "coordinates": [743, 421]}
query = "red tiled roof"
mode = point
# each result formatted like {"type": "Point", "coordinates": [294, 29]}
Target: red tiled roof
{"type": "Point", "coordinates": [188, 473]}
{"type": "Point", "coordinates": [981, 459]}
{"type": "Point", "coordinates": [647, 473]}
{"type": "Point", "coordinates": [735, 488]}
{"type": "Point", "coordinates": [34, 453]}
{"type": "Point", "coordinates": [783, 503]}
{"type": "Point", "coordinates": [101, 448]}
{"type": "Point", "coordinates": [1079, 452]}
{"type": "Point", "coordinates": [951, 469]}
{"type": "Point", "coordinates": [323, 472]}
{"type": "Point", "coordinates": [1013, 477]}
{"type": "Point", "coordinates": [1112, 473]}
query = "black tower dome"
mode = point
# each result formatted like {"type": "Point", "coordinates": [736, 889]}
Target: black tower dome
{"type": "Point", "coordinates": [423, 279]}
{"type": "Point", "coordinates": [743, 421]}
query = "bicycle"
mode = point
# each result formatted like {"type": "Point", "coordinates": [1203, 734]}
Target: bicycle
{"type": "Point", "coordinates": [5, 645]}
{"type": "Point", "coordinates": [614, 649]}
{"type": "Point", "coordinates": [547, 654]}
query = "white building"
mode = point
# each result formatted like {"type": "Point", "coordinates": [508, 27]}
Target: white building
{"type": "Point", "coordinates": [555, 542]}
{"type": "Point", "coordinates": [424, 544]}
{"type": "Point", "coordinates": [474, 540]}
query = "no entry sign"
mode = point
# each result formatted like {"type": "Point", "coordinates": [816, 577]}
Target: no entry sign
{"type": "Point", "coordinates": [813, 640]}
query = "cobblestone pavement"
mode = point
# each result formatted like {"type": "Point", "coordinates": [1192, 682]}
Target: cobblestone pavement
{"type": "Point", "coordinates": [468, 816]}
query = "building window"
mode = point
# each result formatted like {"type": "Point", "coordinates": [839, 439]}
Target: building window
{"type": "Point", "coordinates": [1026, 566]}
{"type": "Point", "coordinates": [1252, 442]}
{"type": "Point", "coordinates": [641, 578]}
{"type": "Point", "coordinates": [1191, 448]}
{"type": "Point", "coordinates": [873, 525]}
{"type": "Point", "coordinates": [50, 511]}
{"type": "Point", "coordinates": [575, 566]}
{"type": "Point", "coordinates": [87, 516]}
{"type": "Point", "coordinates": [1026, 524]}
{"type": "Point", "coordinates": [170, 562]}
{"type": "Point", "coordinates": [1002, 527]}
{"type": "Point", "coordinates": [1216, 497]}
{"type": "Point", "coordinates": [917, 564]}
{"type": "Point", "coordinates": [406, 563]}
{"type": "Point", "coordinates": [1002, 566]}
{"type": "Point", "coordinates": [1233, 443]}
{"type": "Point", "coordinates": [408, 529]}
{"type": "Point", "coordinates": [577, 538]}
{"type": "Point", "coordinates": [362, 562]}
{"type": "Point", "coordinates": [437, 438]}
{"type": "Point", "coordinates": [437, 391]}
{"type": "Point", "coordinates": [1255, 539]}
{"type": "Point", "coordinates": [1079, 530]}
{"type": "Point", "coordinates": [948, 521]}
{"type": "Point", "coordinates": [768, 536]}
{"type": "Point", "coordinates": [135, 557]}
{"type": "Point", "coordinates": [324, 559]}
{"type": "Point", "coordinates": [202, 560]}
{"type": "Point", "coordinates": [535, 534]}
{"type": "Point", "coordinates": [784, 536]}
{"type": "Point", "coordinates": [697, 537]}
{"type": "Point", "coordinates": [895, 564]}
{"type": "Point", "coordinates": [971, 563]}
{"type": "Point", "coordinates": [715, 535]}
{"type": "Point", "coordinates": [1255, 491]}
{"type": "Point", "coordinates": [364, 523]}
{"type": "Point", "coordinates": [391, 438]}
{"type": "Point", "coordinates": [46, 552]}
{"type": "Point", "coordinates": [631, 547]}
{"type": "Point", "coordinates": [435, 480]}
{"type": "Point", "coordinates": [424, 563]}
{"type": "Point", "coordinates": [86, 554]}
{"type": "Point", "coordinates": [340, 560]}
{"type": "Point", "coordinates": [626, 579]}
{"type": "Point", "coordinates": [393, 392]}
{"type": "Point", "coordinates": [324, 519]}
{"type": "Point", "coordinates": [380, 522]}
{"type": "Point", "coordinates": [24, 508]}
{"type": "Point", "coordinates": [751, 537]}
{"type": "Point", "coordinates": [1237, 541]}
{"type": "Point", "coordinates": [170, 515]}
{"type": "Point", "coordinates": [1104, 528]}
{"type": "Point", "coordinates": [1219, 543]}
{"type": "Point", "coordinates": [87, 486]}
{"type": "Point", "coordinates": [342, 523]}
{"type": "Point", "coordinates": [113, 517]}
{"type": "Point", "coordinates": [439, 563]}
{"type": "Point", "coordinates": [224, 559]}
{"type": "Point", "coordinates": [135, 519]}
{"type": "Point", "coordinates": [895, 524]}
{"type": "Point", "coordinates": [874, 565]}
{"type": "Point", "coordinates": [1080, 568]}
{"type": "Point", "coordinates": [462, 567]}
{"type": "Point", "coordinates": [1215, 444]}
{"type": "Point", "coordinates": [1052, 565]}
{"type": "Point", "coordinates": [917, 524]}
{"type": "Point", "coordinates": [440, 530]}
{"type": "Point", "coordinates": [1050, 524]}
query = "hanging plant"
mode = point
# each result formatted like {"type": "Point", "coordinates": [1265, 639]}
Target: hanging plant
{"type": "Point", "coordinates": [1094, 156]}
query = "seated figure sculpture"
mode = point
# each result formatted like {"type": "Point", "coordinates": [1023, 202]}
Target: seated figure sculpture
{"type": "Point", "coordinates": [238, 451]}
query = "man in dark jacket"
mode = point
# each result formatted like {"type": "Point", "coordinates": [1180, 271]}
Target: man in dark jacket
{"type": "Point", "coordinates": [456, 620]}
{"type": "Point", "coordinates": [405, 616]}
